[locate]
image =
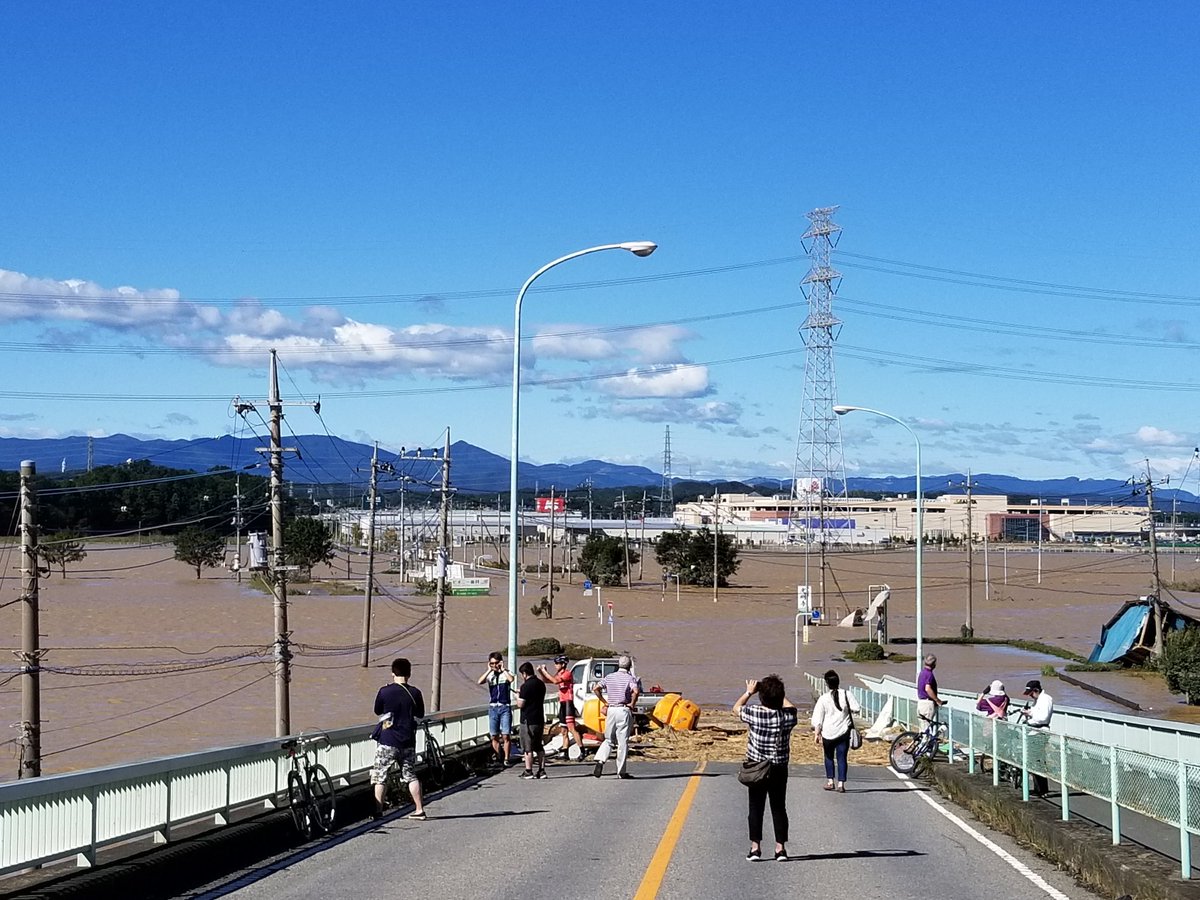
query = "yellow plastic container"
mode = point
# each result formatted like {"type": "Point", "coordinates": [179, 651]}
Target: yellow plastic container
{"type": "Point", "coordinates": [593, 719]}
{"type": "Point", "coordinates": [685, 715]}
{"type": "Point", "coordinates": [661, 717]}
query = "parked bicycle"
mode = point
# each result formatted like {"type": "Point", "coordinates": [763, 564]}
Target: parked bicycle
{"type": "Point", "coordinates": [311, 796]}
{"type": "Point", "coordinates": [433, 776]}
{"type": "Point", "coordinates": [913, 750]}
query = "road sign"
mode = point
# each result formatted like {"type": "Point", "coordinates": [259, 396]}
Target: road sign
{"type": "Point", "coordinates": [610, 616]}
{"type": "Point", "coordinates": [803, 598]}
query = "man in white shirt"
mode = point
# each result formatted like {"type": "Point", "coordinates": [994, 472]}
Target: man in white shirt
{"type": "Point", "coordinates": [1038, 716]}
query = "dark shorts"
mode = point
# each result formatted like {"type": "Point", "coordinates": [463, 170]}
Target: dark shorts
{"type": "Point", "coordinates": [532, 737]}
{"type": "Point", "coordinates": [566, 712]}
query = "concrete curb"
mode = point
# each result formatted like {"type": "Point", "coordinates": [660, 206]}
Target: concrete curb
{"type": "Point", "coordinates": [1082, 849]}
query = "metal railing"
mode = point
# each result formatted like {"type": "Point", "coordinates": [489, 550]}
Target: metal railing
{"type": "Point", "coordinates": [76, 814]}
{"type": "Point", "coordinates": [1159, 787]}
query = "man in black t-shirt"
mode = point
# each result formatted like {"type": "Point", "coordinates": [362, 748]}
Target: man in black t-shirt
{"type": "Point", "coordinates": [531, 699]}
{"type": "Point", "coordinates": [398, 706]}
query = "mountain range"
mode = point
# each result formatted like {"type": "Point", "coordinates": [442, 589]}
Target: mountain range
{"type": "Point", "coordinates": [324, 459]}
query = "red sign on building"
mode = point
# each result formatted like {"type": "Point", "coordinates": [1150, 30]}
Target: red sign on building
{"type": "Point", "coordinates": [546, 504]}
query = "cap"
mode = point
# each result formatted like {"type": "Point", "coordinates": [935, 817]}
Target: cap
{"type": "Point", "coordinates": [561, 659]}
{"type": "Point", "coordinates": [1034, 685]}
{"type": "Point", "coordinates": [624, 662]}
{"type": "Point", "coordinates": [996, 687]}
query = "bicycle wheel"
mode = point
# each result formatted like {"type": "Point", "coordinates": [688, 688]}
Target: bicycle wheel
{"type": "Point", "coordinates": [435, 763]}
{"type": "Point", "coordinates": [300, 804]}
{"type": "Point", "coordinates": [395, 789]}
{"type": "Point", "coordinates": [322, 797]}
{"type": "Point", "coordinates": [903, 754]}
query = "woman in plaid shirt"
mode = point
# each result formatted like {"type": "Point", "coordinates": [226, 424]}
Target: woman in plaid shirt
{"type": "Point", "coordinates": [769, 733]}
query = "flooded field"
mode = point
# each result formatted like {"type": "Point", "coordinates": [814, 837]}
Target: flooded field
{"type": "Point", "coordinates": [144, 660]}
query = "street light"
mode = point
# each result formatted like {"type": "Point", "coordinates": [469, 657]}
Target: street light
{"type": "Point", "coordinates": [841, 411]}
{"type": "Point", "coordinates": [637, 248]}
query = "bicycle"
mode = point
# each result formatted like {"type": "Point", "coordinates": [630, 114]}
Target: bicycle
{"type": "Point", "coordinates": [912, 750]}
{"type": "Point", "coordinates": [433, 762]}
{"type": "Point", "coordinates": [311, 796]}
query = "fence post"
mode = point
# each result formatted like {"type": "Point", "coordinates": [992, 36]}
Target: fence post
{"type": "Point", "coordinates": [1025, 764]}
{"type": "Point", "coordinates": [971, 744]}
{"type": "Point", "coordinates": [1112, 789]}
{"type": "Point", "coordinates": [1185, 838]}
{"type": "Point", "coordinates": [1062, 777]}
{"type": "Point", "coordinates": [996, 752]}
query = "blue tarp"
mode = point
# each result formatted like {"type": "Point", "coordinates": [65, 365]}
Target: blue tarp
{"type": "Point", "coordinates": [1117, 637]}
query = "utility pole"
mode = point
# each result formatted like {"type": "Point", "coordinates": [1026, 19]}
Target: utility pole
{"type": "Point", "coordinates": [550, 589]}
{"type": "Point", "coordinates": [591, 521]}
{"type": "Point", "coordinates": [277, 573]}
{"type": "Point", "coordinates": [625, 526]}
{"type": "Point", "coordinates": [1147, 487]}
{"type": "Point", "coordinates": [716, 539]}
{"type": "Point", "coordinates": [439, 608]}
{"type": "Point", "coordinates": [31, 654]}
{"type": "Point", "coordinates": [969, 628]}
{"type": "Point", "coordinates": [237, 526]}
{"type": "Point", "coordinates": [642, 540]}
{"type": "Point", "coordinates": [369, 586]}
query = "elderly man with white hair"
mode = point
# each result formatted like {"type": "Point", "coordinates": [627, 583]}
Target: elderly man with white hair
{"type": "Point", "coordinates": [618, 694]}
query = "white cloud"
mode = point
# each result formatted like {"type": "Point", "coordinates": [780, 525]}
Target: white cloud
{"type": "Point", "coordinates": [1149, 436]}
{"type": "Point", "coordinates": [660, 381]}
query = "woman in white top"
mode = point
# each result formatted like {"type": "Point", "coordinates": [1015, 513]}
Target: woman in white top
{"type": "Point", "coordinates": [831, 723]}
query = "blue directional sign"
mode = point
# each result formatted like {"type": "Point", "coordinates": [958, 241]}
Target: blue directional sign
{"type": "Point", "coordinates": [587, 584]}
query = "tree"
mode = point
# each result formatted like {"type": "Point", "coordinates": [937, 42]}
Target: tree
{"type": "Point", "coordinates": [198, 547]}
{"type": "Point", "coordinates": [689, 555]}
{"type": "Point", "coordinates": [602, 559]}
{"type": "Point", "coordinates": [307, 542]}
{"type": "Point", "coordinates": [1180, 663]}
{"type": "Point", "coordinates": [61, 548]}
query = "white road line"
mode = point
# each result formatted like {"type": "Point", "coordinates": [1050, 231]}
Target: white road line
{"type": "Point", "coordinates": [1029, 874]}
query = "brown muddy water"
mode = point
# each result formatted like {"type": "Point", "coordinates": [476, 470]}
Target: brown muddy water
{"type": "Point", "coordinates": [144, 660]}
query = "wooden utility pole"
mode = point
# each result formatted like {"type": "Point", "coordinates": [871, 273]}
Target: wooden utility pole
{"type": "Point", "coordinates": [1156, 593]}
{"type": "Point", "coordinates": [642, 541]}
{"type": "Point", "coordinates": [31, 654]}
{"type": "Point", "coordinates": [969, 627]}
{"type": "Point", "coordinates": [439, 607]}
{"type": "Point", "coordinates": [550, 588]}
{"type": "Point", "coordinates": [625, 529]}
{"type": "Point", "coordinates": [716, 540]}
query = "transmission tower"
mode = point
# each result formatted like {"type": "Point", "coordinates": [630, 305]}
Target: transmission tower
{"type": "Point", "coordinates": [666, 498]}
{"type": "Point", "coordinates": [819, 476]}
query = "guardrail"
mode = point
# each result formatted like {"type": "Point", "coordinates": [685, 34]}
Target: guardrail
{"type": "Point", "coordinates": [1166, 789]}
{"type": "Point", "coordinates": [78, 813]}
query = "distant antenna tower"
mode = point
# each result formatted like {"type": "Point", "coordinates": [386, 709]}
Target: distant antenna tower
{"type": "Point", "coordinates": [819, 476]}
{"type": "Point", "coordinates": [89, 462]}
{"type": "Point", "coordinates": [666, 498]}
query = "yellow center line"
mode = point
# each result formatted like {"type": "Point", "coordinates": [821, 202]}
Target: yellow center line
{"type": "Point", "coordinates": [657, 869]}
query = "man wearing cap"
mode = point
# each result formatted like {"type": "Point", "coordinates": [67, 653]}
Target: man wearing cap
{"type": "Point", "coordinates": [1038, 716]}
{"type": "Point", "coordinates": [562, 679]}
{"type": "Point", "coordinates": [618, 694]}
{"type": "Point", "coordinates": [927, 692]}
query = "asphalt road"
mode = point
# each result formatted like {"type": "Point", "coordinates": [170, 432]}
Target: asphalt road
{"type": "Point", "coordinates": [670, 833]}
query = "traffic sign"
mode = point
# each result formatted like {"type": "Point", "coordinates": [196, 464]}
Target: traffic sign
{"type": "Point", "coordinates": [610, 606]}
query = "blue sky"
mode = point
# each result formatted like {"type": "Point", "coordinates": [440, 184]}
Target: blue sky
{"type": "Point", "coordinates": [365, 186]}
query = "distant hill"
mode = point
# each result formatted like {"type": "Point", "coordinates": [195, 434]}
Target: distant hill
{"type": "Point", "coordinates": [324, 459]}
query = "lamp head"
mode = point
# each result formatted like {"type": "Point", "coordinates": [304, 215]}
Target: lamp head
{"type": "Point", "coordinates": [842, 410]}
{"type": "Point", "coordinates": [640, 248]}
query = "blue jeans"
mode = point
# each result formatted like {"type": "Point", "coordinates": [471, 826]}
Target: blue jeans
{"type": "Point", "coordinates": [499, 720]}
{"type": "Point", "coordinates": [839, 747]}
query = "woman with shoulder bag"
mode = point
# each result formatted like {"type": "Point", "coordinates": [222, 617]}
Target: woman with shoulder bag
{"type": "Point", "coordinates": [833, 728]}
{"type": "Point", "coordinates": [769, 727]}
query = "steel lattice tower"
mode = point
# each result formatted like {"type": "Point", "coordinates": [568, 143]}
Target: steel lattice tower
{"type": "Point", "coordinates": [666, 499]}
{"type": "Point", "coordinates": [819, 475]}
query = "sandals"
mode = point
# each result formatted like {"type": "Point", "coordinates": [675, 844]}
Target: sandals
{"type": "Point", "coordinates": [419, 816]}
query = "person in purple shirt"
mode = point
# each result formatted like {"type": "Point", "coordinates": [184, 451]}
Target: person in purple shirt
{"type": "Point", "coordinates": [928, 700]}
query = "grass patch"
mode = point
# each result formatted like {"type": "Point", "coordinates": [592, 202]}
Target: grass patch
{"type": "Point", "coordinates": [1095, 667]}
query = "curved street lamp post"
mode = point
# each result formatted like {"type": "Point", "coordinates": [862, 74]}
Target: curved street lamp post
{"type": "Point", "coordinates": [841, 411]}
{"type": "Point", "coordinates": [637, 248]}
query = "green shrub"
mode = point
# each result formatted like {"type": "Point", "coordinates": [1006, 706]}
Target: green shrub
{"type": "Point", "coordinates": [1048, 671]}
{"type": "Point", "coordinates": [1180, 663]}
{"type": "Point", "coordinates": [540, 646]}
{"type": "Point", "coordinates": [866, 651]}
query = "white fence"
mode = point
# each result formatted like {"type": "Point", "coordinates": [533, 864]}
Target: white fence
{"type": "Point", "coordinates": [76, 814]}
